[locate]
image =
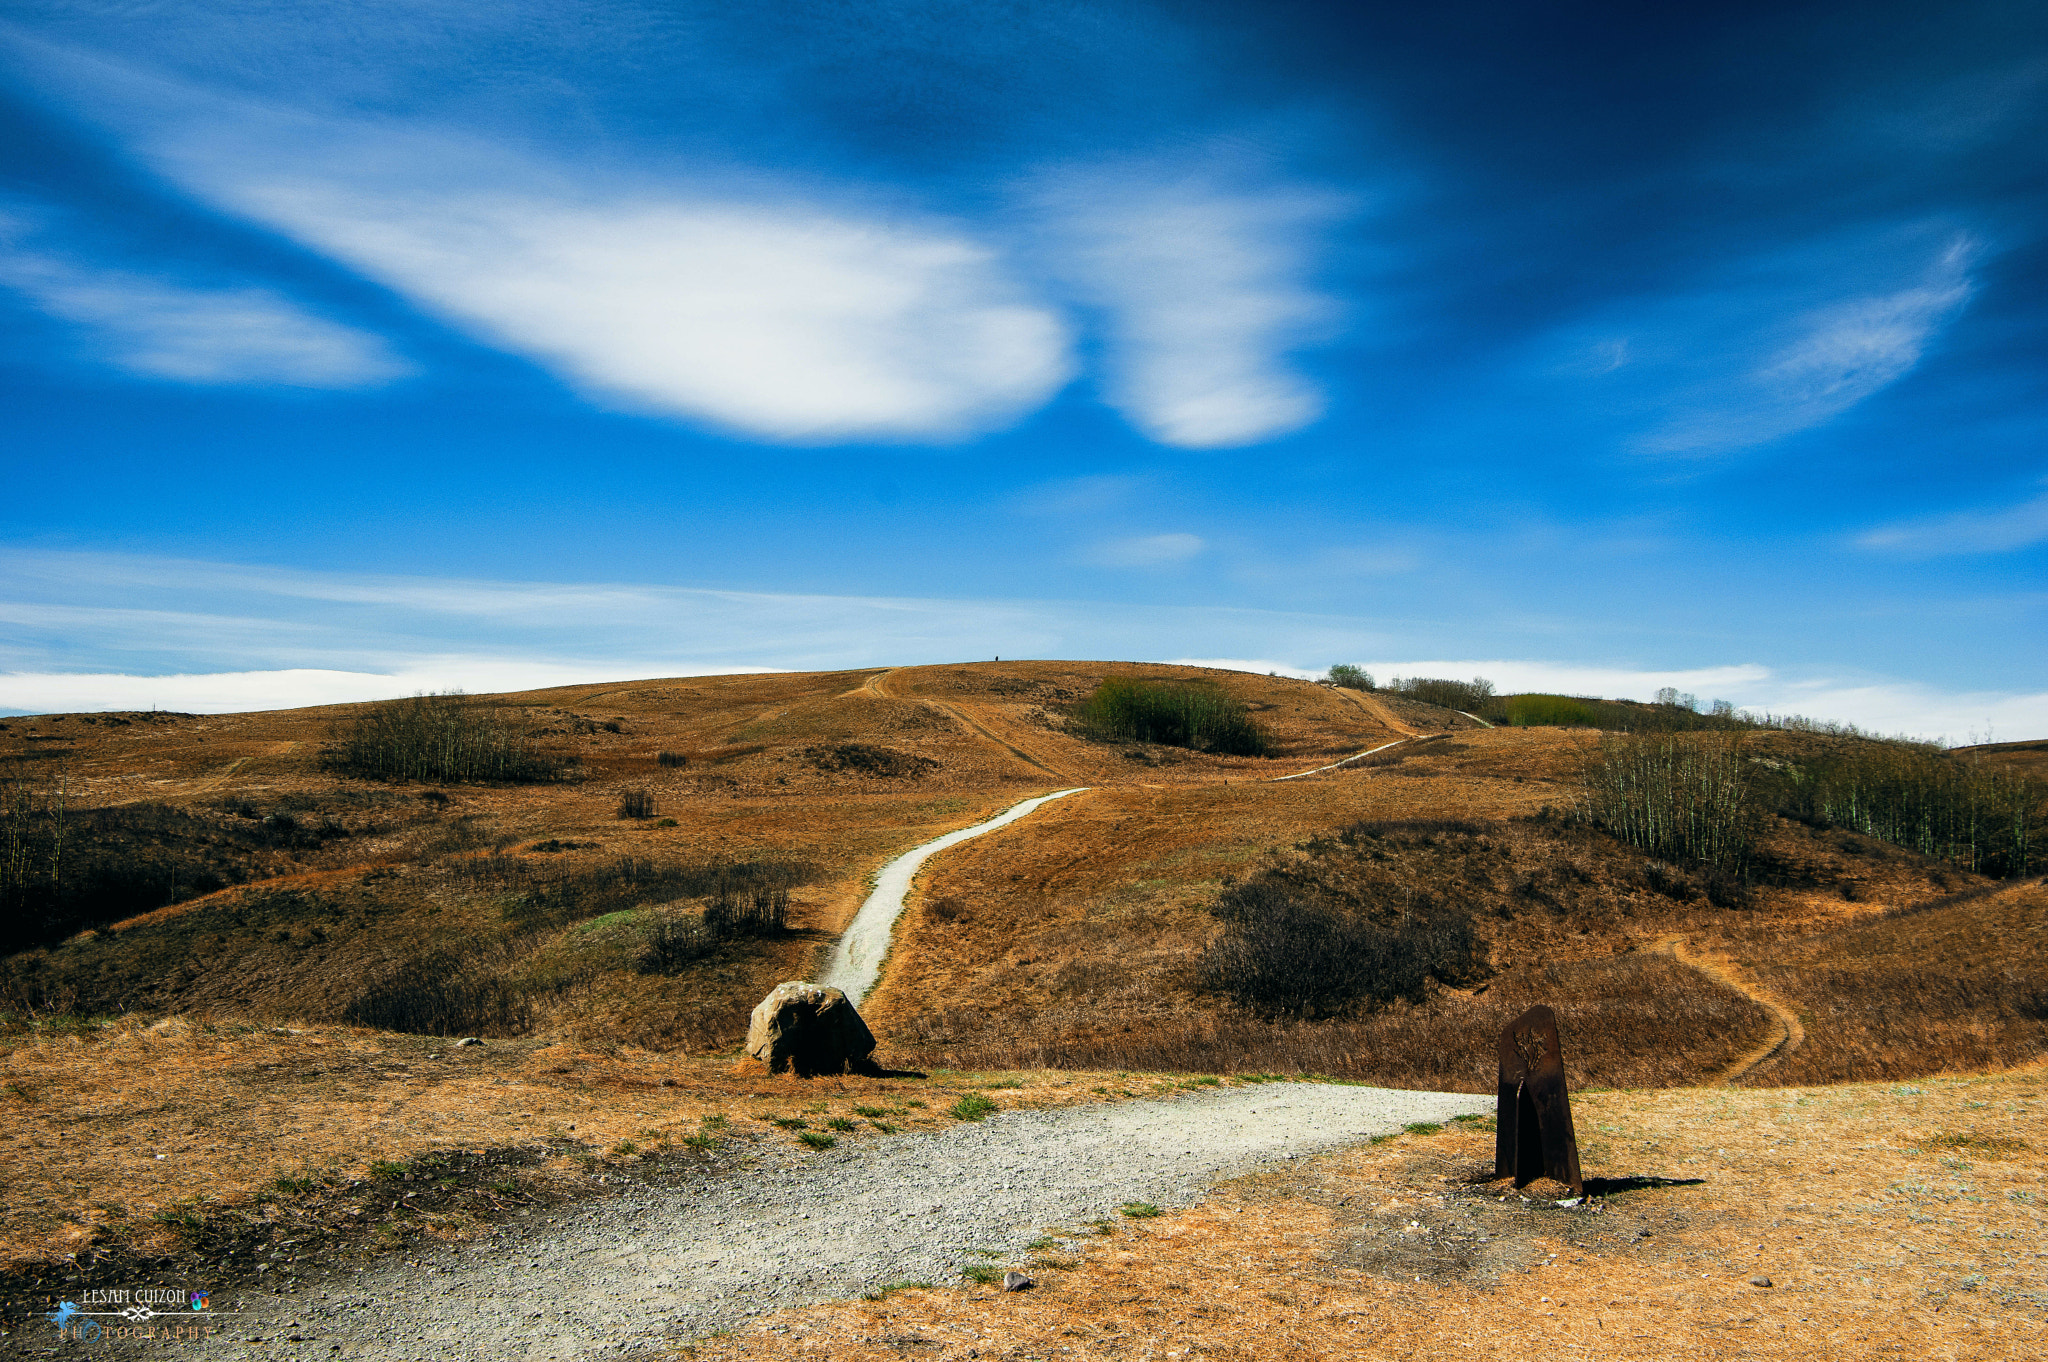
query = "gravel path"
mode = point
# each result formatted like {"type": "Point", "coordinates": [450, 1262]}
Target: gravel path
{"type": "Point", "coordinates": [857, 958]}
{"type": "Point", "coordinates": [663, 1264]}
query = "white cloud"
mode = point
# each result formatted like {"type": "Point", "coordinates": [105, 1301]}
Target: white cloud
{"type": "Point", "coordinates": [1148, 550]}
{"type": "Point", "coordinates": [91, 630]}
{"type": "Point", "coordinates": [783, 320]}
{"type": "Point", "coordinates": [195, 334]}
{"type": "Point", "coordinates": [1840, 356]}
{"type": "Point", "coordinates": [2016, 527]}
{"type": "Point", "coordinates": [287, 688]}
{"type": "Point", "coordinates": [1204, 292]}
{"type": "Point", "coordinates": [1879, 705]}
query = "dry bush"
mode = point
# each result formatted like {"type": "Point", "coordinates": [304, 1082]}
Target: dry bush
{"type": "Point", "coordinates": [1281, 953]}
{"type": "Point", "coordinates": [636, 804]}
{"type": "Point", "coordinates": [441, 738]}
{"type": "Point", "coordinates": [1635, 1021]}
{"type": "Point", "coordinates": [866, 759]}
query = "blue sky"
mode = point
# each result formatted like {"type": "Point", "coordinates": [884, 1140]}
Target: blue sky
{"type": "Point", "coordinates": [350, 350]}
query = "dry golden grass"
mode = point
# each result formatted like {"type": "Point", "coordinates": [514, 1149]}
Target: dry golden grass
{"type": "Point", "coordinates": [1064, 941]}
{"type": "Point", "coordinates": [108, 1127]}
{"type": "Point", "coordinates": [1945, 989]}
{"type": "Point", "coordinates": [1890, 1221]}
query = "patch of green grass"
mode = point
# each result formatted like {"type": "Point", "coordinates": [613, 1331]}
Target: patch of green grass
{"type": "Point", "coordinates": [587, 1162]}
{"type": "Point", "coordinates": [885, 1127]}
{"type": "Point", "coordinates": [1004, 1083]}
{"type": "Point", "coordinates": [870, 1111]}
{"type": "Point", "coordinates": [985, 1274]}
{"type": "Point", "coordinates": [1422, 1127]}
{"type": "Point", "coordinates": [503, 1186]}
{"type": "Point", "coordinates": [1469, 1119]}
{"type": "Point", "coordinates": [1101, 1226]}
{"type": "Point", "coordinates": [386, 1171]}
{"type": "Point", "coordinates": [973, 1107]}
{"type": "Point", "coordinates": [713, 1122]}
{"type": "Point", "coordinates": [1202, 1083]}
{"type": "Point", "coordinates": [1139, 1210]}
{"type": "Point", "coordinates": [182, 1219]}
{"type": "Point", "coordinates": [818, 1139]}
{"type": "Point", "coordinates": [916, 1104]}
{"type": "Point", "coordinates": [700, 1140]}
{"type": "Point", "coordinates": [841, 1123]}
{"type": "Point", "coordinates": [884, 1292]}
{"type": "Point", "coordinates": [293, 1186]}
{"type": "Point", "coordinates": [790, 1122]}
{"type": "Point", "coordinates": [1381, 1139]}
{"type": "Point", "coordinates": [625, 1147]}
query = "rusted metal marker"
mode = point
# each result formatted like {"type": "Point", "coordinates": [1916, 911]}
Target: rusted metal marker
{"type": "Point", "coordinates": [1533, 1124]}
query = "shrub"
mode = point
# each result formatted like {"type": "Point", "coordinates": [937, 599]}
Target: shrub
{"type": "Point", "coordinates": [671, 759]}
{"type": "Point", "coordinates": [1474, 696]}
{"type": "Point", "coordinates": [636, 804]}
{"type": "Point", "coordinates": [440, 738]}
{"type": "Point", "coordinates": [1192, 714]}
{"type": "Point", "coordinates": [1281, 953]}
{"type": "Point", "coordinates": [1353, 678]}
{"type": "Point", "coordinates": [672, 946]}
{"type": "Point", "coordinates": [818, 1139]}
{"type": "Point", "coordinates": [759, 911]}
{"type": "Point", "coordinates": [439, 994]}
{"type": "Point", "coordinates": [866, 759]}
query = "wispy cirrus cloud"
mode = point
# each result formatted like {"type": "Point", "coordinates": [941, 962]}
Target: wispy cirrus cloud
{"type": "Point", "coordinates": [1204, 284]}
{"type": "Point", "coordinates": [2000, 531]}
{"type": "Point", "coordinates": [1835, 356]}
{"type": "Point", "coordinates": [1147, 550]}
{"type": "Point", "coordinates": [163, 327]}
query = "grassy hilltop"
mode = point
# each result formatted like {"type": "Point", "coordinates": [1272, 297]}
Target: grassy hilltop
{"type": "Point", "coordinates": [275, 925]}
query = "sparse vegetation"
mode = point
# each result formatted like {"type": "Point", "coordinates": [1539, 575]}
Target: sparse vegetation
{"type": "Point", "coordinates": [1191, 714]}
{"type": "Point", "coordinates": [443, 738]}
{"type": "Point", "coordinates": [818, 1139]}
{"type": "Point", "coordinates": [671, 759]}
{"type": "Point", "coordinates": [1139, 1210]}
{"type": "Point", "coordinates": [973, 1107]}
{"type": "Point", "coordinates": [636, 804]}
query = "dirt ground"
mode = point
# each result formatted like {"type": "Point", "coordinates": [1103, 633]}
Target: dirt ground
{"type": "Point", "coordinates": [1866, 1220]}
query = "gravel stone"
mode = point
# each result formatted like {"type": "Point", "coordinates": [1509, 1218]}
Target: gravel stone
{"type": "Point", "coordinates": [659, 1265]}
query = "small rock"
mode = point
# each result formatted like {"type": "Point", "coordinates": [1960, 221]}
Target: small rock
{"type": "Point", "coordinates": [1017, 1281]}
{"type": "Point", "coordinates": [467, 1040]}
{"type": "Point", "coordinates": [1759, 1280]}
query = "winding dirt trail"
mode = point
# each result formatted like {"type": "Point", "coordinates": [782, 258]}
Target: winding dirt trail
{"type": "Point", "coordinates": [1789, 1035]}
{"type": "Point", "coordinates": [856, 961]}
{"type": "Point", "coordinates": [1373, 705]}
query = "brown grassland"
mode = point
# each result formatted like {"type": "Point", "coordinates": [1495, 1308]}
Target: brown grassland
{"type": "Point", "coordinates": [1849, 1056]}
